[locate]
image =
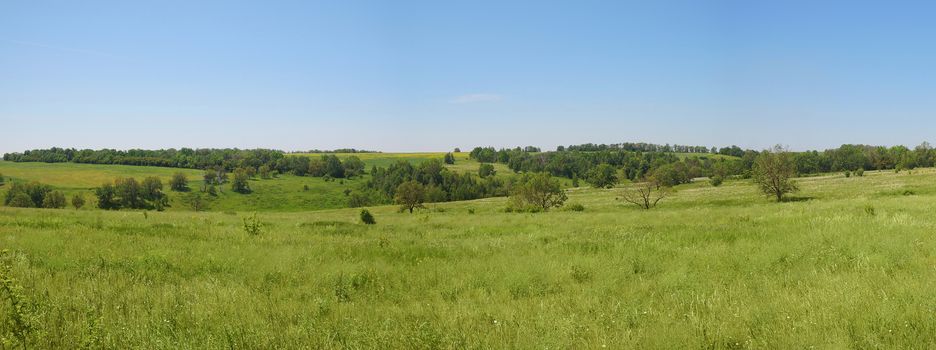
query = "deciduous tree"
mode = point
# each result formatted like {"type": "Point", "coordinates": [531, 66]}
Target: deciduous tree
{"type": "Point", "coordinates": [410, 195]}
{"type": "Point", "coordinates": [773, 170]}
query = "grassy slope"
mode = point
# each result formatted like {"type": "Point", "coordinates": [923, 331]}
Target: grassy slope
{"type": "Point", "coordinates": [284, 193]}
{"type": "Point", "coordinates": [712, 267]}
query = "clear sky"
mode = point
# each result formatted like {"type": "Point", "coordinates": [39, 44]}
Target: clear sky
{"type": "Point", "coordinates": [432, 75]}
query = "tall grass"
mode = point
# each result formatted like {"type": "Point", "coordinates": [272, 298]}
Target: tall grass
{"type": "Point", "coordinates": [709, 268]}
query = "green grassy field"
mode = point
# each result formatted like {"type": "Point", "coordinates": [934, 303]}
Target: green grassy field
{"type": "Point", "coordinates": [284, 193]}
{"type": "Point", "coordinates": [849, 263]}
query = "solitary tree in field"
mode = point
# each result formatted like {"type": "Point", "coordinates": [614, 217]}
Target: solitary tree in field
{"type": "Point", "coordinates": [410, 195]}
{"type": "Point", "coordinates": [538, 191]}
{"type": "Point", "coordinates": [773, 170]}
{"type": "Point", "coordinates": [449, 158]}
{"type": "Point", "coordinates": [645, 194]}
{"type": "Point", "coordinates": [603, 176]}
{"type": "Point", "coordinates": [179, 182]}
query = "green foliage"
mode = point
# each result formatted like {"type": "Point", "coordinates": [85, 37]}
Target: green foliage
{"type": "Point", "coordinates": [265, 172]}
{"type": "Point", "coordinates": [602, 176]}
{"type": "Point", "coordinates": [78, 200]}
{"type": "Point", "coordinates": [575, 207]}
{"type": "Point", "coordinates": [26, 195]}
{"type": "Point", "coordinates": [197, 203]}
{"type": "Point", "coordinates": [179, 182]}
{"type": "Point", "coordinates": [410, 195]}
{"type": "Point", "coordinates": [107, 197]}
{"type": "Point", "coordinates": [716, 180]}
{"type": "Point", "coordinates": [859, 172]}
{"type": "Point", "coordinates": [252, 225]}
{"type": "Point", "coordinates": [772, 172]}
{"type": "Point", "coordinates": [54, 200]}
{"type": "Point", "coordinates": [485, 170]}
{"type": "Point", "coordinates": [847, 174]}
{"type": "Point", "coordinates": [240, 182]}
{"type": "Point", "coordinates": [23, 318]}
{"type": "Point", "coordinates": [128, 193]}
{"type": "Point", "coordinates": [449, 158]}
{"type": "Point", "coordinates": [536, 192]}
{"type": "Point", "coordinates": [367, 218]}
{"type": "Point", "coordinates": [20, 200]}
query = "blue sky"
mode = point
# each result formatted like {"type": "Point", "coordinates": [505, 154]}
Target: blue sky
{"type": "Point", "coordinates": [433, 75]}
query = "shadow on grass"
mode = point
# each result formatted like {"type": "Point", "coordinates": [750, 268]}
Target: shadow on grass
{"type": "Point", "coordinates": [796, 199]}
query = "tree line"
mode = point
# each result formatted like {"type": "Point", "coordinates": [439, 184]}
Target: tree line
{"type": "Point", "coordinates": [430, 179]}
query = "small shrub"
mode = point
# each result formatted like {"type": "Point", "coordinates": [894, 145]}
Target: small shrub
{"type": "Point", "coordinates": [367, 218]}
{"type": "Point", "coordinates": [869, 209]}
{"type": "Point", "coordinates": [471, 211]}
{"type": "Point", "coordinates": [252, 225]}
{"type": "Point", "coordinates": [78, 201]}
{"type": "Point", "coordinates": [575, 207]}
{"type": "Point", "coordinates": [847, 174]}
{"type": "Point", "coordinates": [716, 180]}
{"type": "Point", "coordinates": [347, 192]}
{"type": "Point", "coordinates": [859, 172]}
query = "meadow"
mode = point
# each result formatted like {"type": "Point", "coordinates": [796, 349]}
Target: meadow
{"type": "Point", "coordinates": [846, 263]}
{"type": "Point", "coordinates": [282, 193]}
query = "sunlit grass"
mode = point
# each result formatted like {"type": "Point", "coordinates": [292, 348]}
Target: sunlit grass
{"type": "Point", "coordinates": [709, 268]}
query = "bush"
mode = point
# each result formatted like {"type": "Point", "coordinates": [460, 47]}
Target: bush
{"type": "Point", "coordinates": [20, 200]}
{"type": "Point", "coordinates": [78, 201]}
{"type": "Point", "coordinates": [859, 172]}
{"type": "Point", "coordinates": [252, 225]}
{"type": "Point", "coordinates": [575, 207]}
{"type": "Point", "coordinates": [716, 180]}
{"type": "Point", "coordinates": [536, 192]}
{"type": "Point", "coordinates": [29, 195]}
{"type": "Point", "coordinates": [367, 218]}
{"type": "Point", "coordinates": [54, 200]}
{"type": "Point", "coordinates": [179, 182]}
{"type": "Point", "coordinates": [847, 174]}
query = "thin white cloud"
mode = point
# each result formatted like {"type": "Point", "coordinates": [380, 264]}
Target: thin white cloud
{"type": "Point", "coordinates": [473, 98]}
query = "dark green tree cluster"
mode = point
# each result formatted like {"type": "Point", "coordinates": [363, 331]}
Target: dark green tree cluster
{"type": "Point", "coordinates": [179, 182]}
{"type": "Point", "coordinates": [439, 184]}
{"type": "Point", "coordinates": [864, 157]}
{"type": "Point", "coordinates": [128, 193]}
{"type": "Point", "coordinates": [229, 158]}
{"type": "Point", "coordinates": [33, 195]}
{"type": "Point", "coordinates": [635, 147]}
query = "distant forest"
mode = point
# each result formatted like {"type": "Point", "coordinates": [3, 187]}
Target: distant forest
{"type": "Point", "coordinates": [600, 165]}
